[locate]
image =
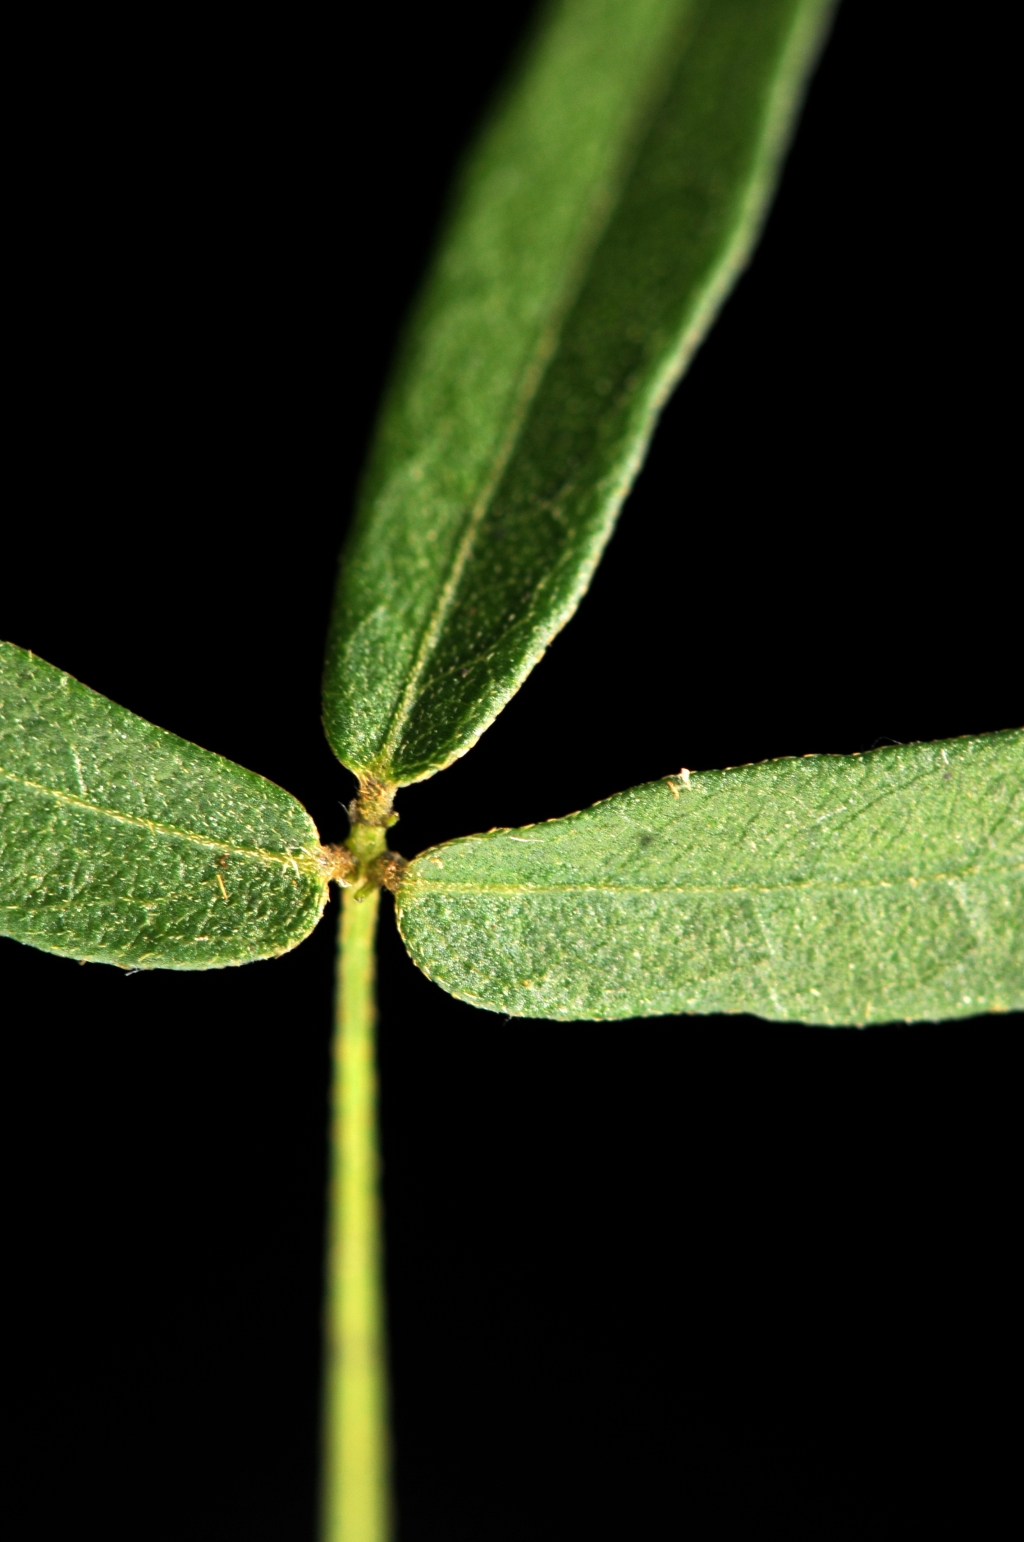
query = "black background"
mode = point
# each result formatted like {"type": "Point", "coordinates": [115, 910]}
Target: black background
{"type": "Point", "coordinates": [642, 1276]}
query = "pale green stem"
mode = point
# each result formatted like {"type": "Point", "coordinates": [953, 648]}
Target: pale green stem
{"type": "Point", "coordinates": [355, 1500]}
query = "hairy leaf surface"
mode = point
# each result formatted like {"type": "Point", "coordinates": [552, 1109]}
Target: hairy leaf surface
{"type": "Point", "coordinates": [123, 844]}
{"type": "Point", "coordinates": [829, 889]}
{"type": "Point", "coordinates": [597, 227]}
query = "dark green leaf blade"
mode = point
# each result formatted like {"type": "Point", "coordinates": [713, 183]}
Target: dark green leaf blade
{"type": "Point", "coordinates": [829, 889]}
{"type": "Point", "coordinates": [122, 844]}
{"type": "Point", "coordinates": [598, 226]}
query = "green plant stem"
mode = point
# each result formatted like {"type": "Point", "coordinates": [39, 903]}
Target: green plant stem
{"type": "Point", "coordinates": [355, 1504]}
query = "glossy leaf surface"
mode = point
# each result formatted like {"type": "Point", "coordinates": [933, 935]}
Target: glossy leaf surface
{"type": "Point", "coordinates": [123, 844]}
{"type": "Point", "coordinates": [829, 889]}
{"type": "Point", "coordinates": [597, 227]}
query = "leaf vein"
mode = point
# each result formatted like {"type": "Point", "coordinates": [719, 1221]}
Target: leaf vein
{"type": "Point", "coordinates": [307, 860]}
{"type": "Point", "coordinates": [417, 888]}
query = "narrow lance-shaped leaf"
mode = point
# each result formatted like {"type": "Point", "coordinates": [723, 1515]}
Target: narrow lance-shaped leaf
{"type": "Point", "coordinates": [597, 227]}
{"type": "Point", "coordinates": [829, 889]}
{"type": "Point", "coordinates": [123, 844]}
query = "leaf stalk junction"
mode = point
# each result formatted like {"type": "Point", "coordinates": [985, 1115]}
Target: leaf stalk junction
{"type": "Point", "coordinates": [355, 1497]}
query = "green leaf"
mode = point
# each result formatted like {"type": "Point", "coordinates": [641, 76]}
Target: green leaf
{"type": "Point", "coordinates": [598, 225]}
{"type": "Point", "coordinates": [123, 844]}
{"type": "Point", "coordinates": [830, 889]}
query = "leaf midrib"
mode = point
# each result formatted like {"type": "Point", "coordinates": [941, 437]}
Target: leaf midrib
{"type": "Point", "coordinates": [417, 887]}
{"type": "Point", "coordinates": [305, 861]}
{"type": "Point", "coordinates": [599, 218]}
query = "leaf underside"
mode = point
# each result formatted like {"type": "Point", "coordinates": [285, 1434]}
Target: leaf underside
{"type": "Point", "coordinates": [121, 843]}
{"type": "Point", "coordinates": [826, 889]}
{"type": "Point", "coordinates": [597, 227]}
